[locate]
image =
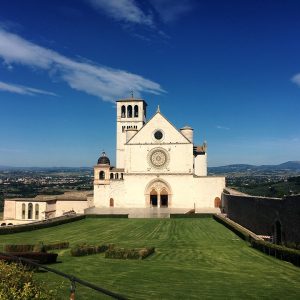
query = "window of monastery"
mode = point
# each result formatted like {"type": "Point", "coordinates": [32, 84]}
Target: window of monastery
{"type": "Point", "coordinates": [101, 175]}
{"type": "Point", "coordinates": [30, 208]}
{"type": "Point", "coordinates": [117, 176]}
{"type": "Point", "coordinates": [158, 134]}
{"type": "Point", "coordinates": [23, 210]}
{"type": "Point", "coordinates": [123, 111]}
{"type": "Point", "coordinates": [129, 111]}
{"type": "Point", "coordinates": [136, 111]}
{"type": "Point", "coordinates": [37, 212]}
{"type": "Point", "coordinates": [111, 175]}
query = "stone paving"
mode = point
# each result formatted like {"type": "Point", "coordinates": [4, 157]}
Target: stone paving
{"type": "Point", "coordinates": [150, 212]}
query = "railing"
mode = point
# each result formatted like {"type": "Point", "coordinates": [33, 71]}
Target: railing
{"type": "Point", "coordinates": [72, 278]}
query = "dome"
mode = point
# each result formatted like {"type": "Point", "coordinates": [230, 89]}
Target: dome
{"type": "Point", "coordinates": [103, 159]}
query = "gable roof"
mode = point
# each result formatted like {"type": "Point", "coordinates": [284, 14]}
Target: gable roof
{"type": "Point", "coordinates": [133, 138]}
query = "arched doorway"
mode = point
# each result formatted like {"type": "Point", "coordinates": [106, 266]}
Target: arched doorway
{"type": "Point", "coordinates": [111, 202]}
{"type": "Point", "coordinates": [158, 194]}
{"type": "Point", "coordinates": [163, 198]}
{"type": "Point", "coordinates": [217, 202]}
{"type": "Point", "coordinates": [153, 198]}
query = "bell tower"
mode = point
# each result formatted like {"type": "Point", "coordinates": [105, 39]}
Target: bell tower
{"type": "Point", "coordinates": [131, 114]}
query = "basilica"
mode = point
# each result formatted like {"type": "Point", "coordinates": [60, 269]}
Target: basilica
{"type": "Point", "coordinates": [157, 165]}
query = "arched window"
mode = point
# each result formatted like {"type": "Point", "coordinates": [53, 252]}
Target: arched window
{"type": "Point", "coordinates": [117, 176]}
{"type": "Point", "coordinates": [37, 212]}
{"type": "Point", "coordinates": [23, 210]}
{"type": "Point", "coordinates": [136, 111]}
{"type": "Point", "coordinates": [101, 175]}
{"type": "Point", "coordinates": [123, 111]}
{"type": "Point", "coordinates": [129, 111]}
{"type": "Point", "coordinates": [30, 207]}
{"type": "Point", "coordinates": [121, 175]}
{"type": "Point", "coordinates": [111, 175]}
{"type": "Point", "coordinates": [111, 202]}
{"type": "Point", "coordinates": [217, 202]}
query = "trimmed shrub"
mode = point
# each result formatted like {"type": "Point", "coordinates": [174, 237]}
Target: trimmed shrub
{"type": "Point", "coordinates": [191, 215]}
{"type": "Point", "coordinates": [40, 225]}
{"type": "Point", "coordinates": [54, 222]}
{"type": "Point", "coordinates": [39, 248]}
{"type": "Point", "coordinates": [84, 249]}
{"type": "Point", "coordinates": [278, 251]}
{"type": "Point", "coordinates": [17, 283]}
{"type": "Point", "coordinates": [122, 253]}
{"type": "Point", "coordinates": [38, 257]}
{"type": "Point", "coordinates": [234, 228]}
{"type": "Point", "coordinates": [57, 246]}
{"type": "Point", "coordinates": [114, 216]}
{"type": "Point", "coordinates": [18, 248]}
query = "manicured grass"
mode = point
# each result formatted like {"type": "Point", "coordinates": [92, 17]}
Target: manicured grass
{"type": "Point", "coordinates": [195, 258]}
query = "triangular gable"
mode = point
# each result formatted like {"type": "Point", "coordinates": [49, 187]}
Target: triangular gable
{"type": "Point", "coordinates": [158, 122]}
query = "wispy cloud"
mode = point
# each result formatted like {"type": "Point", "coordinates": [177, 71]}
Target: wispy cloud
{"type": "Point", "coordinates": [222, 127]}
{"type": "Point", "coordinates": [103, 82]}
{"type": "Point", "coordinates": [170, 10]}
{"type": "Point", "coordinates": [123, 10]}
{"type": "Point", "coordinates": [296, 79]}
{"type": "Point", "coordinates": [22, 90]}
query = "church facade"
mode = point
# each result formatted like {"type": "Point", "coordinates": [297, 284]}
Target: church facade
{"type": "Point", "coordinates": [157, 165]}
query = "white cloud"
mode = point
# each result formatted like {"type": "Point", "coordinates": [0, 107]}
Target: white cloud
{"type": "Point", "coordinates": [296, 79]}
{"type": "Point", "coordinates": [172, 10]}
{"type": "Point", "coordinates": [222, 127]}
{"type": "Point", "coordinates": [88, 77]}
{"type": "Point", "coordinates": [123, 10]}
{"type": "Point", "coordinates": [22, 90]}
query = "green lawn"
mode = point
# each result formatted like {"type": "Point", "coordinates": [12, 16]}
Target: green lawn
{"type": "Point", "coordinates": [195, 258]}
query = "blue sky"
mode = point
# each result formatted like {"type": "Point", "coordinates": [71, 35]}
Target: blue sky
{"type": "Point", "coordinates": [229, 69]}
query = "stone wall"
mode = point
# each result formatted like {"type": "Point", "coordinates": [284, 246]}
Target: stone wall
{"type": "Point", "coordinates": [260, 214]}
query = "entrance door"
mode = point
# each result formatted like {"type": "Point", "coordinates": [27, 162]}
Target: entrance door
{"type": "Point", "coordinates": [164, 200]}
{"type": "Point", "coordinates": [153, 200]}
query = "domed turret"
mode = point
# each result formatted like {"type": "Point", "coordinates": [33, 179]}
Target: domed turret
{"type": "Point", "coordinates": [187, 131]}
{"type": "Point", "coordinates": [103, 159]}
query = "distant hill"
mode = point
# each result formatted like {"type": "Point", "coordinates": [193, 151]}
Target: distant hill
{"type": "Point", "coordinates": [235, 168]}
{"type": "Point", "coordinates": [45, 169]}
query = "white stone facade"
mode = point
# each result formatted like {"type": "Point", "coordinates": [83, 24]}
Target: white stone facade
{"type": "Point", "coordinates": [156, 165]}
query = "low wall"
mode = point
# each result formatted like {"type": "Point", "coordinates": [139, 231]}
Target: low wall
{"type": "Point", "coordinates": [260, 215]}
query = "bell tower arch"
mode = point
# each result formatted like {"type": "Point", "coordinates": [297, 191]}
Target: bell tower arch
{"type": "Point", "coordinates": [131, 115]}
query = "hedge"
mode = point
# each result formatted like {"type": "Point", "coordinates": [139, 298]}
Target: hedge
{"type": "Point", "coordinates": [114, 216]}
{"type": "Point", "coordinates": [57, 246]}
{"type": "Point", "coordinates": [122, 253]}
{"type": "Point", "coordinates": [278, 251]}
{"type": "Point", "coordinates": [40, 247]}
{"type": "Point", "coordinates": [39, 225]}
{"type": "Point", "coordinates": [54, 222]}
{"type": "Point", "coordinates": [204, 215]}
{"type": "Point", "coordinates": [18, 248]}
{"type": "Point", "coordinates": [39, 257]}
{"type": "Point", "coordinates": [84, 249]}
{"type": "Point", "coordinates": [243, 234]}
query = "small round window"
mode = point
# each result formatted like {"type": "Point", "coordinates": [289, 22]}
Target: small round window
{"type": "Point", "coordinates": [158, 135]}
